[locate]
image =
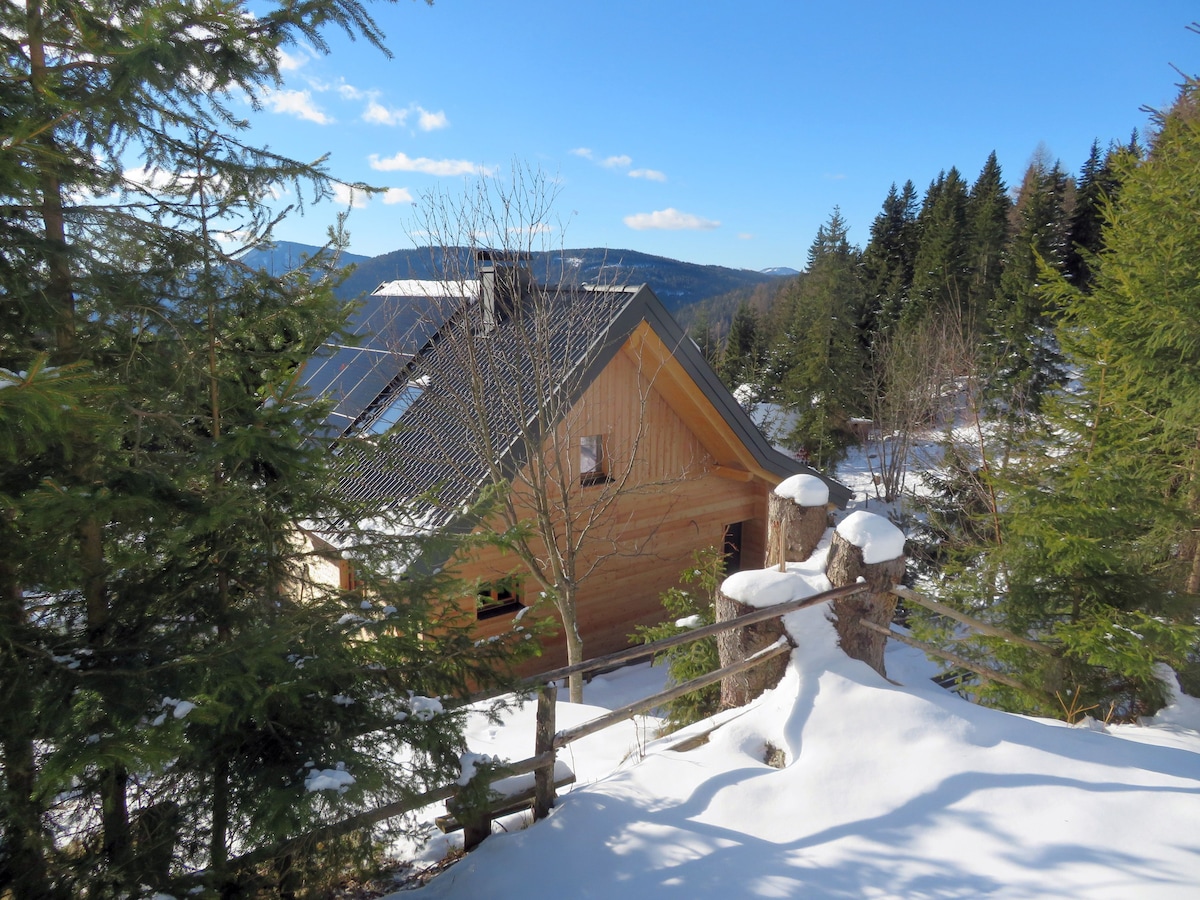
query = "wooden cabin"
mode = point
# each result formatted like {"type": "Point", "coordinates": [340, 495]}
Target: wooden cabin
{"type": "Point", "coordinates": [590, 402]}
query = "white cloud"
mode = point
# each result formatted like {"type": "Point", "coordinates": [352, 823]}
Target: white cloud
{"type": "Point", "coordinates": [585, 152]}
{"type": "Point", "coordinates": [378, 114]}
{"type": "Point", "coordinates": [745, 236]}
{"type": "Point", "coordinates": [350, 92]}
{"type": "Point", "coordinates": [669, 220]}
{"type": "Point", "coordinates": [648, 174]}
{"type": "Point", "coordinates": [401, 162]}
{"type": "Point", "coordinates": [296, 103]}
{"type": "Point", "coordinates": [348, 196]}
{"type": "Point", "coordinates": [290, 62]}
{"type": "Point", "coordinates": [431, 121]}
{"type": "Point", "coordinates": [617, 162]}
{"type": "Point", "coordinates": [397, 195]}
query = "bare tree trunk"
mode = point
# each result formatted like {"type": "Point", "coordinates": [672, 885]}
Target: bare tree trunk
{"type": "Point", "coordinates": [574, 642]}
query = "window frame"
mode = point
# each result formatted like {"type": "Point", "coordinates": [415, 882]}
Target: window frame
{"type": "Point", "coordinates": [596, 473]}
{"type": "Point", "coordinates": [498, 598]}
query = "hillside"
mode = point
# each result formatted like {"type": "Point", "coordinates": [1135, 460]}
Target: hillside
{"type": "Point", "coordinates": [675, 283]}
{"type": "Point", "coordinates": [886, 789]}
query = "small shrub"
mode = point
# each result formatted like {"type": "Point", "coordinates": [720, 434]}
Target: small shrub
{"type": "Point", "coordinates": [694, 606]}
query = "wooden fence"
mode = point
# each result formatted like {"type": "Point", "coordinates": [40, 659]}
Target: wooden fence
{"type": "Point", "coordinates": [548, 741]}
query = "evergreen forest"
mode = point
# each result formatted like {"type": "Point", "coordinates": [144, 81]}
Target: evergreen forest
{"type": "Point", "coordinates": [1044, 334]}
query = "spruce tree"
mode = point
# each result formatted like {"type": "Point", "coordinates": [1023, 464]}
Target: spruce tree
{"type": "Point", "coordinates": [822, 383]}
{"type": "Point", "coordinates": [941, 265]}
{"type": "Point", "coordinates": [887, 263]}
{"type": "Point", "coordinates": [1026, 356]}
{"type": "Point", "coordinates": [1098, 551]}
{"type": "Point", "coordinates": [988, 208]}
{"type": "Point", "coordinates": [169, 662]}
{"type": "Point", "coordinates": [1097, 185]}
{"type": "Point", "coordinates": [741, 360]}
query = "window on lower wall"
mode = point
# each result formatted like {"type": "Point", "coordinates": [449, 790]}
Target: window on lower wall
{"type": "Point", "coordinates": [591, 460]}
{"type": "Point", "coordinates": [499, 599]}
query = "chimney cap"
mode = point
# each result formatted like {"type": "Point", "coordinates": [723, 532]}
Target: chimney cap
{"type": "Point", "coordinates": [511, 257]}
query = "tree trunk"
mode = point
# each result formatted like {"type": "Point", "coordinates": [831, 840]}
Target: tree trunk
{"type": "Point", "coordinates": [793, 531]}
{"type": "Point", "coordinates": [738, 644]}
{"type": "Point", "coordinates": [878, 605]}
{"type": "Point", "coordinates": [574, 640]}
{"type": "Point", "coordinates": [23, 832]}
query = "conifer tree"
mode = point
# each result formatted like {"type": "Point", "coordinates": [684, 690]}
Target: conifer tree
{"type": "Point", "coordinates": [1098, 184]}
{"type": "Point", "coordinates": [1027, 357]}
{"type": "Point", "coordinates": [169, 662]}
{"type": "Point", "coordinates": [823, 380]}
{"type": "Point", "coordinates": [741, 360]}
{"type": "Point", "coordinates": [1100, 518]}
{"type": "Point", "coordinates": [941, 265]}
{"type": "Point", "coordinates": [988, 208]}
{"type": "Point", "coordinates": [887, 263]}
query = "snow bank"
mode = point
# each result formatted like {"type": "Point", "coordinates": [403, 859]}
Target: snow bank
{"type": "Point", "coordinates": [878, 538]}
{"type": "Point", "coordinates": [884, 791]}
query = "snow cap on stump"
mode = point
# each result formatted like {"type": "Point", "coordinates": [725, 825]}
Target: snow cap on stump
{"type": "Point", "coordinates": [804, 490]}
{"type": "Point", "coordinates": [878, 538]}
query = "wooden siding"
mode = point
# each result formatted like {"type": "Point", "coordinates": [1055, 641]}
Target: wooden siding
{"type": "Point", "coordinates": [684, 486]}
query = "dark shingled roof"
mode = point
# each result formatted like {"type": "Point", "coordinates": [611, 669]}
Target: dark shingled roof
{"type": "Point", "coordinates": [414, 440]}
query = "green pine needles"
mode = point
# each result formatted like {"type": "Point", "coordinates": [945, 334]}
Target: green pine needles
{"type": "Point", "coordinates": [689, 609]}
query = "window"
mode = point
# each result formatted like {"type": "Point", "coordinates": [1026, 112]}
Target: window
{"type": "Point", "coordinates": [396, 407]}
{"type": "Point", "coordinates": [498, 599]}
{"type": "Point", "coordinates": [591, 460]}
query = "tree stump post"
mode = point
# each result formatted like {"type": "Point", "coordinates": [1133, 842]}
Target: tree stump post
{"type": "Point", "coordinates": [869, 547]}
{"type": "Point", "coordinates": [797, 516]}
{"type": "Point", "coordinates": [738, 644]}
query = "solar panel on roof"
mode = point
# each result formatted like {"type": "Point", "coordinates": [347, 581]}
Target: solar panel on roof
{"type": "Point", "coordinates": [387, 331]}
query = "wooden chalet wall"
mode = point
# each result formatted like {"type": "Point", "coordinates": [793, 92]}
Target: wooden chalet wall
{"type": "Point", "coordinates": [687, 485]}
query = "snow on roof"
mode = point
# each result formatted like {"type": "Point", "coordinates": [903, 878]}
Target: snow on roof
{"type": "Point", "coordinates": [878, 538]}
{"type": "Point", "coordinates": [415, 287]}
{"type": "Point", "coordinates": [805, 490]}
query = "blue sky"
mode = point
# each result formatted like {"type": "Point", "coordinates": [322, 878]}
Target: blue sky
{"type": "Point", "coordinates": [715, 132]}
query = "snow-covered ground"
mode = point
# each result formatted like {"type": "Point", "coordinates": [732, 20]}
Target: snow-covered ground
{"type": "Point", "coordinates": [887, 789]}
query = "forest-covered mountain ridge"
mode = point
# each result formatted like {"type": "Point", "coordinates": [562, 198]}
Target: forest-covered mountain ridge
{"type": "Point", "coordinates": [676, 283]}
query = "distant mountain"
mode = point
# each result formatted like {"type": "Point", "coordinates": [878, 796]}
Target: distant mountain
{"type": "Point", "coordinates": [780, 271]}
{"type": "Point", "coordinates": [281, 256]}
{"type": "Point", "coordinates": [675, 283]}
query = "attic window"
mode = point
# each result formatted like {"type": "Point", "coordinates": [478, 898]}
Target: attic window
{"type": "Point", "coordinates": [591, 460]}
{"type": "Point", "coordinates": [498, 599]}
{"type": "Point", "coordinates": [400, 401]}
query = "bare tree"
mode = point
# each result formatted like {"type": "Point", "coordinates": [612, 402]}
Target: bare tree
{"type": "Point", "coordinates": [912, 387]}
{"type": "Point", "coordinates": [510, 354]}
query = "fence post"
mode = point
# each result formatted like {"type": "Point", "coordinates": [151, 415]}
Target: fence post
{"type": "Point", "coordinates": [543, 741]}
{"type": "Point", "coordinates": [738, 644]}
{"type": "Point", "coordinates": [797, 517]}
{"type": "Point", "coordinates": [868, 547]}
